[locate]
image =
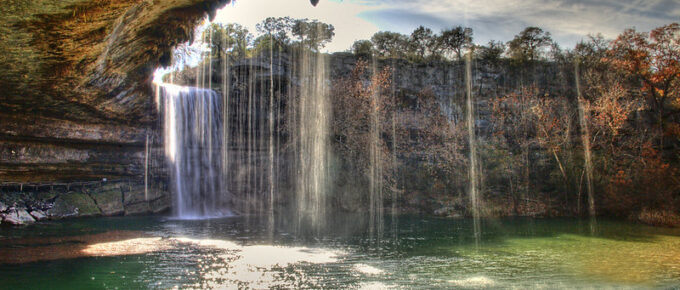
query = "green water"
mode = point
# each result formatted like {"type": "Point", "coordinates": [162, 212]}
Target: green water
{"type": "Point", "coordinates": [412, 252]}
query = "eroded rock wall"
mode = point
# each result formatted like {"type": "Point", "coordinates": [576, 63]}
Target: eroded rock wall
{"type": "Point", "coordinates": [76, 99]}
{"type": "Point", "coordinates": [75, 94]}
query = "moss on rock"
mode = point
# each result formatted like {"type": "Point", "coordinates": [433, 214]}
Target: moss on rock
{"type": "Point", "coordinates": [110, 202]}
{"type": "Point", "coordinates": [74, 204]}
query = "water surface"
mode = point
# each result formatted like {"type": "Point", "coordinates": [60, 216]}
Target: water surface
{"type": "Point", "coordinates": [411, 252]}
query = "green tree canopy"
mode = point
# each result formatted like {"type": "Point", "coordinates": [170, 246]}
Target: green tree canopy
{"type": "Point", "coordinates": [529, 44]}
{"type": "Point", "coordinates": [277, 28]}
{"type": "Point", "coordinates": [422, 40]}
{"type": "Point", "coordinates": [491, 52]}
{"type": "Point", "coordinates": [362, 48]}
{"type": "Point", "coordinates": [390, 44]}
{"type": "Point", "coordinates": [456, 40]}
{"type": "Point", "coordinates": [313, 34]}
{"type": "Point", "coordinates": [229, 38]}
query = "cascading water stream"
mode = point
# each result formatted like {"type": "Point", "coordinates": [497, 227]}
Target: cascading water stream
{"type": "Point", "coordinates": [226, 93]}
{"type": "Point", "coordinates": [585, 138]}
{"type": "Point", "coordinates": [193, 129]}
{"type": "Point", "coordinates": [395, 168]}
{"type": "Point", "coordinates": [271, 134]}
{"type": "Point", "coordinates": [313, 138]}
{"type": "Point", "coordinates": [375, 163]}
{"type": "Point", "coordinates": [474, 175]}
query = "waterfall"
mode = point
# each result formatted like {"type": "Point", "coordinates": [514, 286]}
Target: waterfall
{"type": "Point", "coordinates": [585, 138]}
{"type": "Point", "coordinates": [226, 93]}
{"type": "Point", "coordinates": [313, 140]}
{"type": "Point", "coordinates": [225, 147]}
{"type": "Point", "coordinates": [146, 168]}
{"type": "Point", "coordinates": [395, 167]}
{"type": "Point", "coordinates": [375, 163]}
{"type": "Point", "coordinates": [193, 147]}
{"type": "Point", "coordinates": [474, 175]}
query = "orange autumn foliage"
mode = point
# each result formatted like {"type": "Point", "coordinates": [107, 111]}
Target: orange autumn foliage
{"type": "Point", "coordinates": [653, 60]}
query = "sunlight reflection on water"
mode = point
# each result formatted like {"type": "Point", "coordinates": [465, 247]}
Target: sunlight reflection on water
{"type": "Point", "coordinates": [429, 253]}
{"type": "Point", "coordinates": [473, 282]}
{"type": "Point", "coordinates": [253, 265]}
{"type": "Point", "coordinates": [126, 247]}
{"type": "Point", "coordinates": [367, 269]}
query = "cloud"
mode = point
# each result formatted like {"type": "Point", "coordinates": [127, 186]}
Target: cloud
{"type": "Point", "coordinates": [567, 20]}
{"type": "Point", "coordinates": [401, 20]}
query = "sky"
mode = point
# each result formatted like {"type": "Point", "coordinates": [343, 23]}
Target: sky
{"type": "Point", "coordinates": [567, 20]}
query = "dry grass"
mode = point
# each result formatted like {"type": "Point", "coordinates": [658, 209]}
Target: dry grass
{"type": "Point", "coordinates": [659, 218]}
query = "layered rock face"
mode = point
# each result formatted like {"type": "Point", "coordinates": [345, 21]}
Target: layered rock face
{"type": "Point", "coordinates": [75, 86]}
{"type": "Point", "coordinates": [100, 198]}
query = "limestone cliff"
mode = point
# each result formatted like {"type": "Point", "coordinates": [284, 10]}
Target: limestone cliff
{"type": "Point", "coordinates": [78, 127]}
{"type": "Point", "coordinates": [75, 85]}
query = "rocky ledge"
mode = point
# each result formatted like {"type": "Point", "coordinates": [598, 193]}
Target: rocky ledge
{"type": "Point", "coordinates": [26, 204]}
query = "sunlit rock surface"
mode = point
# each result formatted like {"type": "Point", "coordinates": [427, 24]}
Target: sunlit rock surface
{"type": "Point", "coordinates": [18, 217]}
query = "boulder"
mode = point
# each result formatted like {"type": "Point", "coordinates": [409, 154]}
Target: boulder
{"type": "Point", "coordinates": [137, 208]}
{"type": "Point", "coordinates": [18, 217]}
{"type": "Point", "coordinates": [74, 204]}
{"type": "Point", "coordinates": [38, 214]}
{"type": "Point", "coordinates": [444, 211]}
{"type": "Point", "coordinates": [3, 207]}
{"type": "Point", "coordinates": [136, 194]}
{"type": "Point", "coordinates": [109, 202]}
{"type": "Point", "coordinates": [137, 201]}
{"type": "Point", "coordinates": [160, 205]}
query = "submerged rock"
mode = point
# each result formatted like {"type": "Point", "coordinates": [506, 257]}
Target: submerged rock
{"type": "Point", "coordinates": [18, 217]}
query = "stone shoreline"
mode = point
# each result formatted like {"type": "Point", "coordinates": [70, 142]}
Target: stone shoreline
{"type": "Point", "coordinates": [25, 204]}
